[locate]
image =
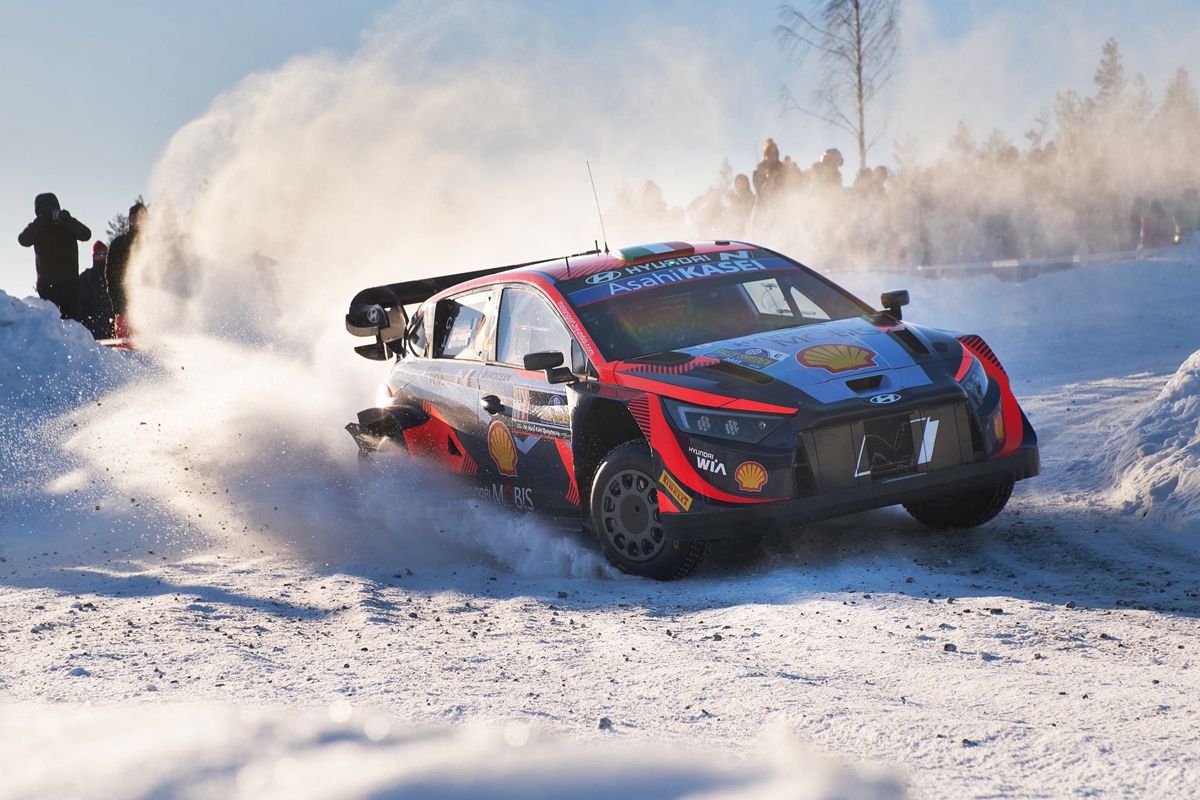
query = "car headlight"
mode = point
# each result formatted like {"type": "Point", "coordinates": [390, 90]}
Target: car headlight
{"type": "Point", "coordinates": [975, 382]}
{"type": "Point", "coordinates": [715, 423]}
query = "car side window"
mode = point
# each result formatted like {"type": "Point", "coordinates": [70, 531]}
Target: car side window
{"type": "Point", "coordinates": [528, 324]}
{"type": "Point", "coordinates": [460, 323]}
{"type": "Point", "coordinates": [417, 342]}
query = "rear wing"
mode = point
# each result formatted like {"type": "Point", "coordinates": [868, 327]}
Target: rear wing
{"type": "Point", "coordinates": [379, 310]}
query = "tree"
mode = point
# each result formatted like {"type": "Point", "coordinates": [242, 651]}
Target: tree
{"type": "Point", "coordinates": [1037, 134]}
{"type": "Point", "coordinates": [996, 147]}
{"type": "Point", "coordinates": [120, 223]}
{"type": "Point", "coordinates": [962, 143]}
{"type": "Point", "coordinates": [1110, 75]}
{"type": "Point", "coordinates": [1180, 104]}
{"type": "Point", "coordinates": [856, 40]}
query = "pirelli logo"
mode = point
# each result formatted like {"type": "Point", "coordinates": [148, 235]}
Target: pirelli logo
{"type": "Point", "coordinates": [677, 492]}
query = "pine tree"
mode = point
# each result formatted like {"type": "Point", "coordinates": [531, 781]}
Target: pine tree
{"type": "Point", "coordinates": [1110, 75]}
{"type": "Point", "coordinates": [119, 224]}
{"type": "Point", "coordinates": [962, 143]}
{"type": "Point", "coordinates": [1180, 106]}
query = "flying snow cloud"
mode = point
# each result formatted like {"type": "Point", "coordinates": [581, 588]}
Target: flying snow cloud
{"type": "Point", "coordinates": [435, 148]}
{"type": "Point", "coordinates": [448, 142]}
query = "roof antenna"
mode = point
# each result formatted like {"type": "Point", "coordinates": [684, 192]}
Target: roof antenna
{"type": "Point", "coordinates": [596, 197]}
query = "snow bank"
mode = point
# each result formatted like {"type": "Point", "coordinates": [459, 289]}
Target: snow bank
{"type": "Point", "coordinates": [46, 363]}
{"type": "Point", "coordinates": [205, 751]}
{"type": "Point", "coordinates": [49, 368]}
{"type": "Point", "coordinates": [1157, 465]}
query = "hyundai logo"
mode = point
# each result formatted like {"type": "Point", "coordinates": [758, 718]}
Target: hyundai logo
{"type": "Point", "coordinates": [603, 277]}
{"type": "Point", "coordinates": [884, 399]}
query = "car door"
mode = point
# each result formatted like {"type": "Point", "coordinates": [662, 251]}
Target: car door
{"type": "Point", "coordinates": [531, 462]}
{"type": "Point", "coordinates": [446, 385]}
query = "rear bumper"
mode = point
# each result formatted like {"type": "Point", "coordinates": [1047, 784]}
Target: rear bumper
{"type": "Point", "coordinates": [724, 523]}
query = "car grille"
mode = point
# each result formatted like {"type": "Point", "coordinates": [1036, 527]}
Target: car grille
{"type": "Point", "coordinates": [887, 449]}
{"type": "Point", "coordinates": [806, 483]}
{"type": "Point", "coordinates": [881, 447]}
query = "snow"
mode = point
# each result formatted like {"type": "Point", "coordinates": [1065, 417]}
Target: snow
{"type": "Point", "coordinates": [1157, 467]}
{"type": "Point", "coordinates": [49, 364]}
{"type": "Point", "coordinates": [343, 751]}
{"type": "Point", "coordinates": [242, 604]}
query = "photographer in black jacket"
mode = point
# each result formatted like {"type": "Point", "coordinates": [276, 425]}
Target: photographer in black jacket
{"type": "Point", "coordinates": [53, 235]}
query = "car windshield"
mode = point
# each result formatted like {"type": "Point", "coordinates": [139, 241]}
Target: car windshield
{"type": "Point", "coordinates": [679, 303]}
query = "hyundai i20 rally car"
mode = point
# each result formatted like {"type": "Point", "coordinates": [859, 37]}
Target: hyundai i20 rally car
{"type": "Point", "coordinates": [672, 394]}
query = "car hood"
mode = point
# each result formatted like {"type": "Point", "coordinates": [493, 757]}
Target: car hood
{"type": "Point", "coordinates": [824, 362]}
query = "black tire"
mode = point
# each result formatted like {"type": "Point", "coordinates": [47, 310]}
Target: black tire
{"type": "Point", "coordinates": [963, 510]}
{"type": "Point", "coordinates": [623, 511]}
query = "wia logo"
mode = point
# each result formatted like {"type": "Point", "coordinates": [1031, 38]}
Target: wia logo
{"type": "Point", "coordinates": [711, 465]}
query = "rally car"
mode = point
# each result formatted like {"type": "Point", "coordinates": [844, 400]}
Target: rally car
{"type": "Point", "coordinates": [671, 394]}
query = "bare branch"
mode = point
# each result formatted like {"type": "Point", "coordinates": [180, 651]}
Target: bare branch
{"type": "Point", "coordinates": [856, 42]}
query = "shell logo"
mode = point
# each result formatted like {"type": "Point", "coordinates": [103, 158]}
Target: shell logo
{"type": "Point", "coordinates": [502, 448]}
{"type": "Point", "coordinates": [750, 476]}
{"type": "Point", "coordinates": [836, 357]}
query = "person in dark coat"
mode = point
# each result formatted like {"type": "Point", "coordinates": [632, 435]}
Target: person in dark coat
{"type": "Point", "coordinates": [119, 252]}
{"type": "Point", "coordinates": [93, 295]}
{"type": "Point", "coordinates": [54, 235]}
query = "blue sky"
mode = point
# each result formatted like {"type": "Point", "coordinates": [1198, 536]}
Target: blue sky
{"type": "Point", "coordinates": [93, 92]}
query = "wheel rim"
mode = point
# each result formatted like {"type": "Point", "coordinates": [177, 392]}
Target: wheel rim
{"type": "Point", "coordinates": [629, 516]}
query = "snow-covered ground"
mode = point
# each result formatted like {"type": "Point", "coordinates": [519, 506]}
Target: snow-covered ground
{"type": "Point", "coordinates": [211, 590]}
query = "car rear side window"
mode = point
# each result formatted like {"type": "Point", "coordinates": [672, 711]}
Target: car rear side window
{"type": "Point", "coordinates": [527, 325]}
{"type": "Point", "coordinates": [460, 323]}
{"type": "Point", "coordinates": [417, 343]}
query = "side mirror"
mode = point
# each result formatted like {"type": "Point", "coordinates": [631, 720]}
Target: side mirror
{"type": "Point", "coordinates": [893, 301]}
{"type": "Point", "coordinates": [550, 362]}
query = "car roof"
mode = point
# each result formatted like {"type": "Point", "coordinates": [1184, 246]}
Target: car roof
{"type": "Point", "coordinates": [553, 271]}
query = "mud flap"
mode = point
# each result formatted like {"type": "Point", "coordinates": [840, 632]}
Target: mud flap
{"type": "Point", "coordinates": [380, 430]}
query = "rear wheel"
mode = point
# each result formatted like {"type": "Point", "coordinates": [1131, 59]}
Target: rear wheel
{"type": "Point", "coordinates": [626, 518]}
{"type": "Point", "coordinates": [962, 510]}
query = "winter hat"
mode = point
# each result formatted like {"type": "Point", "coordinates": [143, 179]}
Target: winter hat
{"type": "Point", "coordinates": [45, 203]}
{"type": "Point", "coordinates": [99, 248]}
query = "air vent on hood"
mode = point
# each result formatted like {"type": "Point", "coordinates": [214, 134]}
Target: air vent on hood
{"type": "Point", "coordinates": [865, 384]}
{"type": "Point", "coordinates": [910, 340]}
{"type": "Point", "coordinates": [745, 373]}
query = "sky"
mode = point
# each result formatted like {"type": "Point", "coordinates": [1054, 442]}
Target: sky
{"type": "Point", "coordinates": [93, 93]}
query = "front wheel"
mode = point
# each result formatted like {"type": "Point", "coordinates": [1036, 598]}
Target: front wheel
{"type": "Point", "coordinates": [626, 518]}
{"type": "Point", "coordinates": [962, 510]}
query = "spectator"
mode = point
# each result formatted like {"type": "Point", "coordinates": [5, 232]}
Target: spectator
{"type": "Point", "coordinates": [119, 253]}
{"type": "Point", "coordinates": [53, 235]}
{"type": "Point", "coordinates": [741, 205]}
{"type": "Point", "coordinates": [769, 172]}
{"type": "Point", "coordinates": [1158, 228]}
{"type": "Point", "coordinates": [828, 171]}
{"type": "Point", "coordinates": [881, 177]}
{"type": "Point", "coordinates": [93, 295]}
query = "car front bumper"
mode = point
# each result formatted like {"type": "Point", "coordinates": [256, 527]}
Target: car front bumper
{"type": "Point", "coordinates": [711, 522]}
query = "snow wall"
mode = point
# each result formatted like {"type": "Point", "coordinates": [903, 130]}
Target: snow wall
{"type": "Point", "coordinates": [1157, 464]}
